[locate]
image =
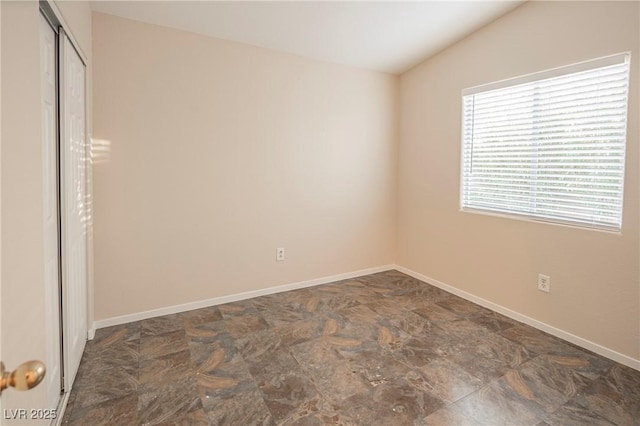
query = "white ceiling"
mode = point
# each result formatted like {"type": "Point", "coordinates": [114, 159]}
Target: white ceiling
{"type": "Point", "coordinates": [387, 36]}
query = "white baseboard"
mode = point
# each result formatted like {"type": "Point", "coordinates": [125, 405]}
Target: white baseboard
{"type": "Point", "coordinates": [587, 344]}
{"type": "Point", "coordinates": [230, 298]}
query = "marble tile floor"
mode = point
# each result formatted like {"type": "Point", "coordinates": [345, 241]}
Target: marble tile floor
{"type": "Point", "coordinates": [382, 349]}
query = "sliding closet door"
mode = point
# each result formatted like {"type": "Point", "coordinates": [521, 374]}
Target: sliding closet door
{"type": "Point", "coordinates": [73, 149]}
{"type": "Point", "coordinates": [48, 78]}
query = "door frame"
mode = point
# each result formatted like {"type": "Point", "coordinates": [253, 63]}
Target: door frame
{"type": "Point", "coordinates": [53, 14]}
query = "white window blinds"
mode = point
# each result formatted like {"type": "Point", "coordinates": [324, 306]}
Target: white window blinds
{"type": "Point", "coordinates": [549, 146]}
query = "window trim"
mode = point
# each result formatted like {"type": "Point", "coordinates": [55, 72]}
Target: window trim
{"type": "Point", "coordinates": [551, 73]}
{"type": "Point", "coordinates": [618, 58]}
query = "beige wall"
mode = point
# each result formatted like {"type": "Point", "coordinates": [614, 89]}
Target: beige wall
{"type": "Point", "coordinates": [22, 219]}
{"type": "Point", "coordinates": [22, 238]}
{"type": "Point", "coordinates": [595, 291]}
{"type": "Point", "coordinates": [221, 152]}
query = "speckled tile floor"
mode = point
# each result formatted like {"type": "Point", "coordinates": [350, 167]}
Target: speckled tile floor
{"type": "Point", "coordinates": [383, 349]}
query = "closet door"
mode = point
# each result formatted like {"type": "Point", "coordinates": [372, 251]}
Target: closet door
{"type": "Point", "coordinates": [73, 158]}
{"type": "Point", "coordinates": [48, 79]}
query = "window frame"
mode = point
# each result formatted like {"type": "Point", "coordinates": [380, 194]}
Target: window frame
{"type": "Point", "coordinates": [615, 59]}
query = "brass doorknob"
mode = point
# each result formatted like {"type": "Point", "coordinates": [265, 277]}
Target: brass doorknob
{"type": "Point", "coordinates": [26, 376]}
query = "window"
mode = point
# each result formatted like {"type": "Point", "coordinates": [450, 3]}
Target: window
{"type": "Point", "coordinates": [549, 146]}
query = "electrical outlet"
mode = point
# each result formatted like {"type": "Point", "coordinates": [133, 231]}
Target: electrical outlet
{"type": "Point", "coordinates": [544, 283]}
{"type": "Point", "coordinates": [279, 254]}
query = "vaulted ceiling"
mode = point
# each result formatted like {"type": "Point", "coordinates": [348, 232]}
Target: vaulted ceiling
{"type": "Point", "coordinates": [387, 36]}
